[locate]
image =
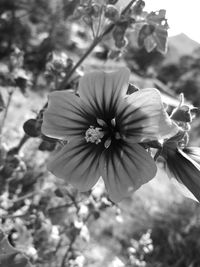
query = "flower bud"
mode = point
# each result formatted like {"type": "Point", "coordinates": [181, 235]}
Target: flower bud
{"type": "Point", "coordinates": [93, 10]}
{"type": "Point", "coordinates": [138, 7]}
{"type": "Point", "coordinates": [112, 13]}
{"type": "Point", "coordinates": [32, 128]}
{"type": "Point", "coordinates": [114, 54]}
{"type": "Point", "coordinates": [57, 63]}
{"type": "Point", "coordinates": [184, 113]}
{"type": "Point", "coordinates": [118, 33]}
{"type": "Point", "coordinates": [121, 43]}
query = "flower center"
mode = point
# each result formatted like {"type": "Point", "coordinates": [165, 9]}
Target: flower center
{"type": "Point", "coordinates": [94, 135]}
{"type": "Point", "coordinates": [107, 132]}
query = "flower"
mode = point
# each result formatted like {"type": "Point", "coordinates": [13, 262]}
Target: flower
{"type": "Point", "coordinates": [103, 127]}
{"type": "Point", "coordinates": [183, 164]}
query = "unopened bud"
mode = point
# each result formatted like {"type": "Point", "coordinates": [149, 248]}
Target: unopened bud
{"type": "Point", "coordinates": [121, 43]}
{"type": "Point", "coordinates": [32, 127]}
{"type": "Point", "coordinates": [184, 113]}
{"type": "Point", "coordinates": [112, 13]}
{"type": "Point", "coordinates": [57, 62]}
{"type": "Point", "coordinates": [138, 7]}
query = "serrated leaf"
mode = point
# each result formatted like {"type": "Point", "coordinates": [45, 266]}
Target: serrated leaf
{"type": "Point", "coordinates": [10, 256]}
{"type": "Point", "coordinates": [160, 37]}
{"type": "Point", "coordinates": [149, 43]}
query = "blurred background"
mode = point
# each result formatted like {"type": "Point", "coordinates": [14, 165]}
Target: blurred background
{"type": "Point", "coordinates": [56, 226]}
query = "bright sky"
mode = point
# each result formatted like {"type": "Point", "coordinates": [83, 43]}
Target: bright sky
{"type": "Point", "coordinates": [183, 16]}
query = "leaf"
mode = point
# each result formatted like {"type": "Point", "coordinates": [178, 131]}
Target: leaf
{"type": "Point", "coordinates": [160, 37]}
{"type": "Point", "coordinates": [9, 256]}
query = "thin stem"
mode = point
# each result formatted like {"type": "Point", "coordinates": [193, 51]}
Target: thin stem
{"type": "Point", "coordinates": [99, 24]}
{"type": "Point", "coordinates": [92, 29]}
{"type": "Point", "coordinates": [90, 49]}
{"type": "Point", "coordinates": [6, 109]}
{"type": "Point", "coordinates": [128, 6]}
{"type": "Point", "coordinates": [68, 250]}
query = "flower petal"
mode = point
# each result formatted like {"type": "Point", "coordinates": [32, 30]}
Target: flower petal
{"type": "Point", "coordinates": [64, 116]}
{"type": "Point", "coordinates": [77, 163]}
{"type": "Point", "coordinates": [193, 152]}
{"type": "Point", "coordinates": [145, 117]}
{"type": "Point", "coordinates": [102, 91]}
{"type": "Point", "coordinates": [185, 170]}
{"type": "Point", "coordinates": [126, 169]}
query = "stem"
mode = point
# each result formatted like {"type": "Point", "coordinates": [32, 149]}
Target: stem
{"type": "Point", "coordinates": [68, 250]}
{"type": "Point", "coordinates": [99, 23]}
{"type": "Point", "coordinates": [64, 82]}
{"type": "Point", "coordinates": [128, 6]}
{"type": "Point", "coordinates": [6, 109]}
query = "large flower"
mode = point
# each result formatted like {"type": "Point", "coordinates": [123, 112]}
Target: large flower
{"type": "Point", "coordinates": [183, 166]}
{"type": "Point", "coordinates": [103, 127]}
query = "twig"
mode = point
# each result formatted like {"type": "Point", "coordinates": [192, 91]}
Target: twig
{"type": "Point", "coordinates": [68, 250]}
{"type": "Point", "coordinates": [10, 216]}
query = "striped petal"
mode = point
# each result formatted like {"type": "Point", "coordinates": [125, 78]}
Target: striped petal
{"type": "Point", "coordinates": [64, 116]}
{"type": "Point", "coordinates": [144, 117]}
{"type": "Point", "coordinates": [193, 152]}
{"type": "Point", "coordinates": [77, 163]}
{"type": "Point", "coordinates": [125, 169]}
{"type": "Point", "coordinates": [103, 92]}
{"type": "Point", "coordinates": [186, 171]}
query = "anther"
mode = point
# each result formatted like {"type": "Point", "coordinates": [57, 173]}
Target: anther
{"type": "Point", "coordinates": [94, 135]}
{"type": "Point", "coordinates": [113, 122]}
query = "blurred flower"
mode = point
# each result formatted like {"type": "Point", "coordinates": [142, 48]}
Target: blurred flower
{"type": "Point", "coordinates": [103, 128]}
{"type": "Point", "coordinates": [183, 165]}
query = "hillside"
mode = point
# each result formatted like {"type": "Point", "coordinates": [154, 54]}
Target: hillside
{"type": "Point", "coordinates": [178, 46]}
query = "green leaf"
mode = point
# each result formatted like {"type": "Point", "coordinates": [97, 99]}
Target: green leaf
{"type": "Point", "coordinates": [9, 256]}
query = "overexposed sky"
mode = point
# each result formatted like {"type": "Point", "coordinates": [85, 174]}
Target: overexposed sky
{"type": "Point", "coordinates": [183, 16]}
